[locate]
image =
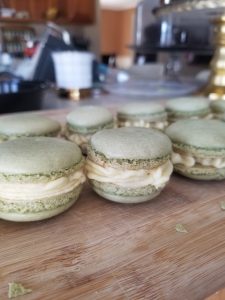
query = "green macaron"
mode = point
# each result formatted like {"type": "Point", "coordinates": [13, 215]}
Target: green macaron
{"type": "Point", "coordinates": [142, 114]}
{"type": "Point", "coordinates": [27, 125]}
{"type": "Point", "coordinates": [40, 177]}
{"type": "Point", "coordinates": [129, 165]}
{"type": "Point", "coordinates": [218, 109]}
{"type": "Point", "coordinates": [84, 121]}
{"type": "Point", "coordinates": [187, 108]}
{"type": "Point", "coordinates": [198, 148]}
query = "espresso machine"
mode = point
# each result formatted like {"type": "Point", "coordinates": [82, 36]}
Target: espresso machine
{"type": "Point", "coordinates": [172, 34]}
{"type": "Point", "coordinates": [191, 32]}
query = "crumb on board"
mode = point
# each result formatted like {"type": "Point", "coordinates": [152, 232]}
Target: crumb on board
{"type": "Point", "coordinates": [16, 290]}
{"type": "Point", "coordinates": [222, 205]}
{"type": "Point", "coordinates": [181, 228]}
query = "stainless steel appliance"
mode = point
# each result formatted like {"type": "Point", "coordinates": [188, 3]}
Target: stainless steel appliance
{"type": "Point", "coordinates": [168, 32]}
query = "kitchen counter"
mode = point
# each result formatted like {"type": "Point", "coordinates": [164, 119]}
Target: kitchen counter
{"type": "Point", "coordinates": [103, 250]}
{"type": "Point", "coordinates": [134, 90]}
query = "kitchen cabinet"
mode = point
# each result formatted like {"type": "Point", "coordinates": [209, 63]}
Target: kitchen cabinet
{"type": "Point", "coordinates": [59, 11]}
{"type": "Point", "coordinates": [82, 10]}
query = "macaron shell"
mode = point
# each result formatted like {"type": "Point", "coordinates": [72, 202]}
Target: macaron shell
{"type": "Point", "coordinates": [40, 155]}
{"type": "Point", "coordinates": [187, 104]}
{"type": "Point", "coordinates": [131, 144]}
{"type": "Point", "coordinates": [222, 117]}
{"type": "Point", "coordinates": [142, 110]}
{"type": "Point", "coordinates": [205, 137]}
{"type": "Point", "coordinates": [45, 213]}
{"type": "Point", "coordinates": [89, 117]}
{"type": "Point", "coordinates": [126, 199]}
{"type": "Point", "coordinates": [38, 216]}
{"type": "Point", "coordinates": [218, 106]}
{"type": "Point", "coordinates": [201, 173]}
{"type": "Point", "coordinates": [27, 124]}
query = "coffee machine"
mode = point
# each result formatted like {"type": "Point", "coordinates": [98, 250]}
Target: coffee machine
{"type": "Point", "coordinates": [169, 32]}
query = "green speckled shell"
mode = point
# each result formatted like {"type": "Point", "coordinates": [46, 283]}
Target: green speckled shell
{"type": "Point", "coordinates": [89, 119]}
{"type": "Point", "coordinates": [142, 110]}
{"type": "Point", "coordinates": [204, 137]}
{"type": "Point", "coordinates": [37, 159]}
{"type": "Point", "coordinates": [26, 125]}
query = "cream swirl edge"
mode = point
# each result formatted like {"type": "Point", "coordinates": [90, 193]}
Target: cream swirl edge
{"type": "Point", "coordinates": [190, 161]}
{"type": "Point", "coordinates": [79, 139]}
{"type": "Point", "coordinates": [157, 177]}
{"type": "Point", "coordinates": [34, 191]}
{"type": "Point", "coordinates": [141, 123]}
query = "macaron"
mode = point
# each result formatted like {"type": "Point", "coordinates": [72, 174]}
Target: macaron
{"type": "Point", "coordinates": [27, 125]}
{"type": "Point", "coordinates": [83, 122]}
{"type": "Point", "coordinates": [218, 109]}
{"type": "Point", "coordinates": [187, 108]}
{"type": "Point", "coordinates": [129, 165]}
{"type": "Point", "coordinates": [142, 114]}
{"type": "Point", "coordinates": [40, 177]}
{"type": "Point", "coordinates": [198, 148]}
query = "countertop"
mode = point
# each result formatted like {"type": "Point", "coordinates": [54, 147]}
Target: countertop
{"type": "Point", "coordinates": [102, 250]}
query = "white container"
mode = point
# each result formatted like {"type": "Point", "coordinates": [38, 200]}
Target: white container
{"type": "Point", "coordinates": [7, 12]}
{"type": "Point", "coordinates": [73, 69]}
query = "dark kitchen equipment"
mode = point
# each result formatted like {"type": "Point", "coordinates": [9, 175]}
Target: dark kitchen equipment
{"type": "Point", "coordinates": [54, 39]}
{"type": "Point", "coordinates": [18, 95]}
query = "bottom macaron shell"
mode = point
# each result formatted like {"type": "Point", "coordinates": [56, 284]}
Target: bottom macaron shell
{"type": "Point", "coordinates": [67, 200]}
{"type": "Point", "coordinates": [124, 195]}
{"type": "Point", "coordinates": [201, 173]}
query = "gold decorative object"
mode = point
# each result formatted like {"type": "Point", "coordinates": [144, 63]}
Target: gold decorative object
{"type": "Point", "coordinates": [185, 6]}
{"type": "Point", "coordinates": [75, 94]}
{"type": "Point", "coordinates": [52, 13]}
{"type": "Point", "coordinates": [215, 88]}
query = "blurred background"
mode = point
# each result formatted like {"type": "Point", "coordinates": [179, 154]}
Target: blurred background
{"type": "Point", "coordinates": [45, 41]}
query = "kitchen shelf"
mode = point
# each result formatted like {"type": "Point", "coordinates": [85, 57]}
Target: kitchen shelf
{"type": "Point", "coordinates": [17, 20]}
{"type": "Point", "coordinates": [68, 11]}
{"type": "Point", "coordinates": [28, 21]}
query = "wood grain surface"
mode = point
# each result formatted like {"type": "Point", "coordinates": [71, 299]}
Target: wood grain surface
{"type": "Point", "coordinates": [102, 250]}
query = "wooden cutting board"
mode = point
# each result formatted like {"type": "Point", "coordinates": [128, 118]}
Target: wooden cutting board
{"type": "Point", "coordinates": [103, 250]}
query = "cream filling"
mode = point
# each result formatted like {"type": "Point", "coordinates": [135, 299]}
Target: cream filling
{"type": "Point", "coordinates": [141, 123]}
{"type": "Point", "coordinates": [157, 177]}
{"type": "Point", "coordinates": [189, 161]}
{"type": "Point", "coordinates": [34, 191]}
{"type": "Point", "coordinates": [79, 139]}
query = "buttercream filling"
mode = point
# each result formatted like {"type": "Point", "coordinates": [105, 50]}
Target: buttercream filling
{"type": "Point", "coordinates": [190, 161]}
{"type": "Point", "coordinates": [34, 191]}
{"type": "Point", "coordinates": [157, 177]}
{"type": "Point", "coordinates": [141, 123]}
{"type": "Point", "coordinates": [79, 139]}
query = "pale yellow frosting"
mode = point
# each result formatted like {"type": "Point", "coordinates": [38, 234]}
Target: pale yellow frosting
{"type": "Point", "coordinates": [157, 177]}
{"type": "Point", "coordinates": [79, 139]}
{"type": "Point", "coordinates": [141, 123]}
{"type": "Point", "coordinates": [189, 161]}
{"type": "Point", "coordinates": [34, 191]}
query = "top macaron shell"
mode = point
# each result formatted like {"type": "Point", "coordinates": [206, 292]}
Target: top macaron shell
{"type": "Point", "coordinates": [146, 111]}
{"type": "Point", "coordinates": [133, 146]}
{"type": "Point", "coordinates": [37, 157]}
{"type": "Point", "coordinates": [27, 124]}
{"type": "Point", "coordinates": [89, 119]}
{"type": "Point", "coordinates": [206, 137]}
{"type": "Point", "coordinates": [187, 106]}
